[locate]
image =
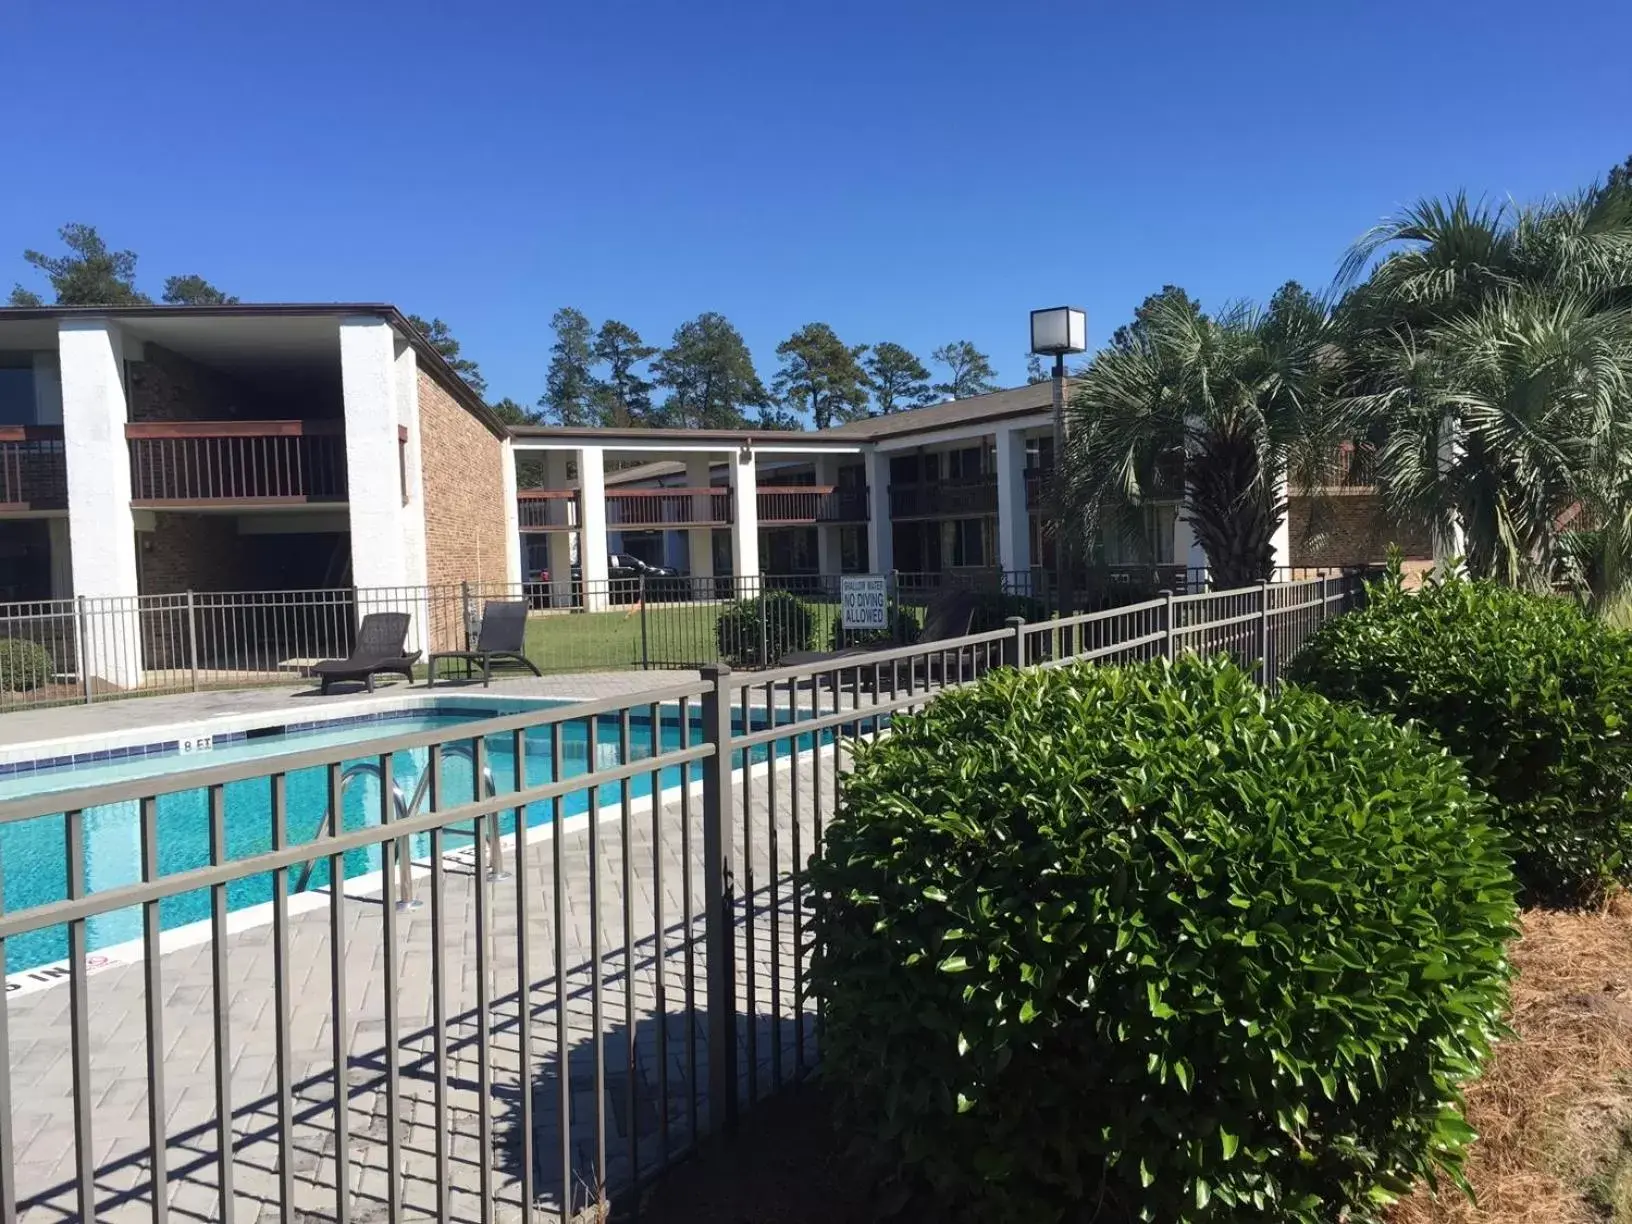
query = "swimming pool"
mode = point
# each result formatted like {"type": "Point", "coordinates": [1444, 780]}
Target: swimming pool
{"type": "Point", "coordinates": [32, 852]}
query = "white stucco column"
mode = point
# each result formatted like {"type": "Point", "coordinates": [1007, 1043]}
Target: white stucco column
{"type": "Point", "coordinates": [700, 540]}
{"type": "Point", "coordinates": [1280, 541]}
{"type": "Point", "coordinates": [559, 543]}
{"type": "Point", "coordinates": [101, 527]}
{"type": "Point", "coordinates": [512, 517]}
{"type": "Point", "coordinates": [1187, 549]}
{"type": "Point", "coordinates": [744, 514]}
{"type": "Point", "coordinates": [1013, 521]}
{"type": "Point", "coordinates": [369, 383]}
{"type": "Point", "coordinates": [880, 531]}
{"type": "Point", "coordinates": [592, 547]}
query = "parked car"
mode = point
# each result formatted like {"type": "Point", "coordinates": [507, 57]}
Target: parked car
{"type": "Point", "coordinates": [624, 573]}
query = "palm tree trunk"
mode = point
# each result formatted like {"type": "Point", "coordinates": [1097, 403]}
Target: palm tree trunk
{"type": "Point", "coordinates": [1232, 511]}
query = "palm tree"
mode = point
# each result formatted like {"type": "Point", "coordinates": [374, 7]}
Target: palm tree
{"type": "Point", "coordinates": [1238, 402]}
{"type": "Point", "coordinates": [1491, 349]}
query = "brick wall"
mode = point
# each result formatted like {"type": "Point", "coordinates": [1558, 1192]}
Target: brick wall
{"type": "Point", "coordinates": [165, 386]}
{"type": "Point", "coordinates": [1347, 528]}
{"type": "Point", "coordinates": [462, 462]}
{"type": "Point", "coordinates": [200, 552]}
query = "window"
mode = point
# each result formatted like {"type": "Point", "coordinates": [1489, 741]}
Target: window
{"type": "Point", "coordinates": [963, 464]}
{"type": "Point", "coordinates": [16, 389]}
{"type": "Point", "coordinates": [969, 542]}
{"type": "Point", "coordinates": [853, 550]}
{"type": "Point", "coordinates": [904, 470]}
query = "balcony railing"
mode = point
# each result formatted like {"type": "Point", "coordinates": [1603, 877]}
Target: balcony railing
{"type": "Point", "coordinates": [796, 504]}
{"type": "Point", "coordinates": [33, 475]}
{"type": "Point", "coordinates": [959, 497]}
{"type": "Point", "coordinates": [547, 509]}
{"type": "Point", "coordinates": [656, 508]}
{"type": "Point", "coordinates": [183, 463]}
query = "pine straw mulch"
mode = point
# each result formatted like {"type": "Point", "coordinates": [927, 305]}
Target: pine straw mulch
{"type": "Point", "coordinates": [1554, 1111]}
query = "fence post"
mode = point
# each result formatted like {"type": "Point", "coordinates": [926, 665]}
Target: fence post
{"type": "Point", "coordinates": [645, 643]}
{"type": "Point", "coordinates": [192, 638]}
{"type": "Point", "coordinates": [1263, 633]}
{"type": "Point", "coordinates": [81, 636]}
{"type": "Point", "coordinates": [1167, 625]}
{"type": "Point", "coordinates": [1325, 594]}
{"type": "Point", "coordinates": [719, 902]}
{"type": "Point", "coordinates": [464, 610]}
{"type": "Point", "coordinates": [764, 634]}
{"type": "Point", "coordinates": [1014, 646]}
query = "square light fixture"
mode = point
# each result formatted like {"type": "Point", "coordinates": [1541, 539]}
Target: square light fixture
{"type": "Point", "coordinates": [1059, 330]}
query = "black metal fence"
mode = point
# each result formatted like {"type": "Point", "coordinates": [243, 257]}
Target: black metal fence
{"type": "Point", "coordinates": [514, 967]}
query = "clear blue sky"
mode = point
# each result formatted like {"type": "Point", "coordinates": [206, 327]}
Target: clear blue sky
{"type": "Point", "coordinates": [916, 172]}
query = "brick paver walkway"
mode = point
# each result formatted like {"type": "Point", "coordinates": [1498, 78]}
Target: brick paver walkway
{"type": "Point", "coordinates": [667, 1042]}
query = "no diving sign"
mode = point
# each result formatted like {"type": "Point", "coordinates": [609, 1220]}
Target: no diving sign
{"type": "Point", "coordinates": [865, 599]}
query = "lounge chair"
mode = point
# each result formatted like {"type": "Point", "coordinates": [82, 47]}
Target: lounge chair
{"type": "Point", "coordinates": [501, 638]}
{"type": "Point", "coordinates": [949, 616]}
{"type": "Point", "coordinates": [382, 639]}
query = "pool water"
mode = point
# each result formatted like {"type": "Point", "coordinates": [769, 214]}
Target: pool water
{"type": "Point", "coordinates": [33, 852]}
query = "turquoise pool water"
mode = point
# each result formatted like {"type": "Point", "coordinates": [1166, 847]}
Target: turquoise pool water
{"type": "Point", "coordinates": [33, 852]}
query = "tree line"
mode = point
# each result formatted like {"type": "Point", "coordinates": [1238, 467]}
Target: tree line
{"type": "Point", "coordinates": [606, 375]}
{"type": "Point", "coordinates": [1477, 353]}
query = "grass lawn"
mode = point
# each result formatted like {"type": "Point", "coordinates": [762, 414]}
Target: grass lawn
{"type": "Point", "coordinates": [676, 635]}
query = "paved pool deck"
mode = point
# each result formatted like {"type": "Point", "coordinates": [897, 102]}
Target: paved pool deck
{"type": "Point", "coordinates": [629, 913]}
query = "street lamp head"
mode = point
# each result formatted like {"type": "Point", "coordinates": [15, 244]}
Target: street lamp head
{"type": "Point", "coordinates": [1059, 330]}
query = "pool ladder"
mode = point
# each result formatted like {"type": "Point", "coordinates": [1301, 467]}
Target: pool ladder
{"type": "Point", "coordinates": [406, 808]}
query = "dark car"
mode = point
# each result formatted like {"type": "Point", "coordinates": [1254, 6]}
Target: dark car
{"type": "Point", "coordinates": [624, 573]}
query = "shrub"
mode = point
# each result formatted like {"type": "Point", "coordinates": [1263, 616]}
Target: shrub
{"type": "Point", "coordinates": [992, 610]}
{"type": "Point", "coordinates": [1150, 938]}
{"type": "Point", "coordinates": [1529, 691]}
{"type": "Point", "coordinates": [906, 626]}
{"type": "Point", "coordinates": [24, 665]}
{"type": "Point", "coordinates": [789, 623]}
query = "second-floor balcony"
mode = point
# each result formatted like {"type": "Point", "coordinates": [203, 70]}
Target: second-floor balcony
{"type": "Point", "coordinates": [33, 470]}
{"type": "Point", "coordinates": [177, 464]}
{"type": "Point", "coordinates": [954, 497]}
{"type": "Point", "coordinates": [798, 505]}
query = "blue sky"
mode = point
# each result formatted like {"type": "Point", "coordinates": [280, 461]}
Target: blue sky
{"type": "Point", "coordinates": [915, 172]}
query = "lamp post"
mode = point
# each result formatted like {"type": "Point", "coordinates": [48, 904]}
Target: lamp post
{"type": "Point", "coordinates": [1055, 332]}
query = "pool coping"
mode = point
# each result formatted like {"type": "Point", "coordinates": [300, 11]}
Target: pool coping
{"type": "Point", "coordinates": [192, 735]}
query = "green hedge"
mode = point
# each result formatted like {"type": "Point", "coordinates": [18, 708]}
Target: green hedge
{"type": "Point", "coordinates": [1146, 940]}
{"type": "Point", "coordinates": [1531, 692]}
{"type": "Point", "coordinates": [789, 624]}
{"type": "Point", "coordinates": [24, 665]}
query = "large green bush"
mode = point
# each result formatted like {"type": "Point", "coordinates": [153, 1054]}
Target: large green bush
{"type": "Point", "coordinates": [789, 624]}
{"type": "Point", "coordinates": [24, 665]}
{"type": "Point", "coordinates": [1531, 692]}
{"type": "Point", "coordinates": [1148, 939]}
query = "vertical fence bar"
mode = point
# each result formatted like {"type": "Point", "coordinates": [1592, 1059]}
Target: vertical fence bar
{"type": "Point", "coordinates": [157, 1111]}
{"type": "Point", "coordinates": [439, 987]}
{"type": "Point", "coordinates": [660, 1007]}
{"type": "Point", "coordinates": [484, 984]}
{"type": "Point", "coordinates": [389, 849]}
{"type": "Point", "coordinates": [81, 636]}
{"type": "Point", "coordinates": [1265, 677]}
{"type": "Point", "coordinates": [719, 901]}
{"type": "Point", "coordinates": [689, 954]}
{"type": "Point", "coordinates": [79, 1022]}
{"type": "Point", "coordinates": [625, 818]}
{"type": "Point", "coordinates": [192, 639]}
{"type": "Point", "coordinates": [282, 1036]}
{"type": "Point", "coordinates": [338, 1025]}
{"type": "Point", "coordinates": [563, 1045]}
{"type": "Point", "coordinates": [8, 1160]}
{"type": "Point", "coordinates": [645, 640]}
{"type": "Point", "coordinates": [222, 988]}
{"type": "Point", "coordinates": [1014, 646]}
{"type": "Point", "coordinates": [1167, 625]}
{"type": "Point", "coordinates": [524, 978]}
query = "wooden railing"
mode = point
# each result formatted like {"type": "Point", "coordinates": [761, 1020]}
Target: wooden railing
{"type": "Point", "coordinates": [241, 462]}
{"type": "Point", "coordinates": [668, 507]}
{"type": "Point", "coordinates": [547, 509]}
{"type": "Point", "coordinates": [33, 474]}
{"type": "Point", "coordinates": [955, 498]}
{"type": "Point", "coordinates": [794, 504]}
